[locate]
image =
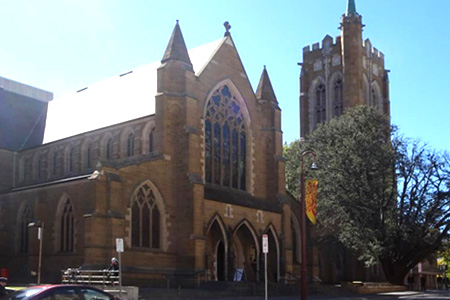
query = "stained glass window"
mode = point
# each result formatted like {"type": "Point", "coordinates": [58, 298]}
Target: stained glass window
{"type": "Point", "coordinates": [337, 101]}
{"type": "Point", "coordinates": [145, 219]}
{"type": "Point", "coordinates": [225, 140]}
{"type": "Point", "coordinates": [321, 108]}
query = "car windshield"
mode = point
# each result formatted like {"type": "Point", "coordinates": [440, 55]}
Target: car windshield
{"type": "Point", "coordinates": [18, 295]}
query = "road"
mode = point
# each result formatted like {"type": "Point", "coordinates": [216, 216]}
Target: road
{"type": "Point", "coordinates": [409, 295]}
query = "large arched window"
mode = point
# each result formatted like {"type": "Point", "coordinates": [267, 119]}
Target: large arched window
{"type": "Point", "coordinates": [321, 104]}
{"type": "Point", "coordinates": [130, 145]}
{"type": "Point", "coordinates": [25, 218]}
{"type": "Point", "coordinates": [338, 104]}
{"type": "Point", "coordinates": [225, 140]}
{"type": "Point", "coordinates": [66, 236]}
{"type": "Point", "coordinates": [145, 219]}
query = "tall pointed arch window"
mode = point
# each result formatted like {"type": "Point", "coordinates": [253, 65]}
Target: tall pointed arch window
{"type": "Point", "coordinates": [55, 163]}
{"type": "Point", "coordinates": [89, 156]}
{"type": "Point", "coordinates": [321, 105]}
{"type": "Point", "coordinates": [42, 167]}
{"type": "Point", "coordinates": [338, 104]}
{"type": "Point", "coordinates": [150, 141]}
{"type": "Point", "coordinates": [225, 141]}
{"type": "Point", "coordinates": [109, 148]}
{"type": "Point", "coordinates": [130, 145]}
{"type": "Point", "coordinates": [25, 218]}
{"type": "Point", "coordinates": [72, 160]}
{"type": "Point", "coordinates": [145, 219]}
{"type": "Point", "coordinates": [66, 220]}
{"type": "Point", "coordinates": [374, 97]}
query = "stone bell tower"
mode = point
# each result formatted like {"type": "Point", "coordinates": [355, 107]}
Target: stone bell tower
{"type": "Point", "coordinates": [341, 73]}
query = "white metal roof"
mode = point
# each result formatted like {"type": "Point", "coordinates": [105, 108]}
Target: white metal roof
{"type": "Point", "coordinates": [114, 100]}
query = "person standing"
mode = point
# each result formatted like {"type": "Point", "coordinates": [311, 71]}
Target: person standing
{"type": "Point", "coordinates": [3, 281]}
{"type": "Point", "coordinates": [423, 282]}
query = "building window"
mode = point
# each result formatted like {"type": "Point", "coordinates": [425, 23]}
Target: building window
{"type": "Point", "coordinates": [225, 141]}
{"type": "Point", "coordinates": [109, 149]}
{"type": "Point", "coordinates": [42, 167]}
{"type": "Point", "coordinates": [150, 141]}
{"type": "Point", "coordinates": [55, 163]}
{"type": "Point", "coordinates": [72, 160]}
{"type": "Point", "coordinates": [321, 105]}
{"type": "Point", "coordinates": [25, 218]}
{"type": "Point", "coordinates": [130, 145]}
{"type": "Point", "coordinates": [145, 219]}
{"type": "Point", "coordinates": [66, 227]}
{"type": "Point", "coordinates": [374, 98]}
{"type": "Point", "coordinates": [28, 169]}
{"type": "Point", "coordinates": [89, 156]}
{"type": "Point", "coordinates": [337, 99]}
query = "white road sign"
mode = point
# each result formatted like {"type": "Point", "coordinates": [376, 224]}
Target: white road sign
{"type": "Point", "coordinates": [265, 243]}
{"type": "Point", "coordinates": [119, 245]}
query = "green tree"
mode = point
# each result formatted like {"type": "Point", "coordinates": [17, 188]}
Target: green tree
{"type": "Point", "coordinates": [387, 200]}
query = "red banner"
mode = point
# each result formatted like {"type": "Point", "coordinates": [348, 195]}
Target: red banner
{"type": "Point", "coordinates": [311, 200]}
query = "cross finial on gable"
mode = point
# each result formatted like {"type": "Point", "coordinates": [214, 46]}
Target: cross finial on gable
{"type": "Point", "coordinates": [227, 28]}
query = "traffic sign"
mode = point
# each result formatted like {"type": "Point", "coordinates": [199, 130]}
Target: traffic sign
{"type": "Point", "coordinates": [265, 243]}
{"type": "Point", "coordinates": [119, 245]}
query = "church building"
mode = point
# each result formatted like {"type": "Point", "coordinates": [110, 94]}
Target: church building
{"type": "Point", "coordinates": [182, 159]}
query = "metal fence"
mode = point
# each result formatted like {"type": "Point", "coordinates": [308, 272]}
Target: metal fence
{"type": "Point", "coordinates": [91, 277]}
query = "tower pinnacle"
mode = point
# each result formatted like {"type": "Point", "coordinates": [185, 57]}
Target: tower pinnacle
{"type": "Point", "coordinates": [176, 49]}
{"type": "Point", "coordinates": [351, 8]}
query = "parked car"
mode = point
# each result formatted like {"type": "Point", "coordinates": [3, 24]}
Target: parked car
{"type": "Point", "coordinates": [59, 292]}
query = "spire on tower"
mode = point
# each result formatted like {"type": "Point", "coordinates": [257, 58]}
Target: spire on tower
{"type": "Point", "coordinates": [351, 8]}
{"type": "Point", "coordinates": [176, 49]}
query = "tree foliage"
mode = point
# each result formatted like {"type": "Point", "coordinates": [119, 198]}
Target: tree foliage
{"type": "Point", "coordinates": [381, 195]}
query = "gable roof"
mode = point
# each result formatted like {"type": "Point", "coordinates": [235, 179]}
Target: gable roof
{"type": "Point", "coordinates": [125, 97]}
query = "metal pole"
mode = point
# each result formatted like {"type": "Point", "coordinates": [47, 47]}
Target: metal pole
{"type": "Point", "coordinates": [41, 237]}
{"type": "Point", "coordinates": [265, 276]}
{"type": "Point", "coordinates": [303, 229]}
{"type": "Point", "coordinates": [120, 275]}
{"type": "Point", "coordinates": [303, 221]}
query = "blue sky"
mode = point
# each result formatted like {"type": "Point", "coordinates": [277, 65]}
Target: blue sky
{"type": "Point", "coordinates": [62, 46]}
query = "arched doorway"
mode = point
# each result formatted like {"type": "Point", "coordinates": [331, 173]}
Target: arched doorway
{"type": "Point", "coordinates": [216, 250]}
{"type": "Point", "coordinates": [246, 254]}
{"type": "Point", "coordinates": [220, 261]}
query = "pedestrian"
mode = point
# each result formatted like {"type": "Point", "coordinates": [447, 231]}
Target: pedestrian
{"type": "Point", "coordinates": [113, 271]}
{"type": "Point", "coordinates": [3, 281]}
{"type": "Point", "coordinates": [445, 282]}
{"type": "Point", "coordinates": [439, 282]}
{"type": "Point", "coordinates": [410, 282]}
{"type": "Point", "coordinates": [423, 281]}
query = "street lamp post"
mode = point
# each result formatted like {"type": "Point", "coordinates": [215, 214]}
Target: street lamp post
{"type": "Point", "coordinates": [303, 220]}
{"type": "Point", "coordinates": [40, 226]}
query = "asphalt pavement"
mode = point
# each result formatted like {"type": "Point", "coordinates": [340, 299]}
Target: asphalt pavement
{"type": "Point", "coordinates": [407, 295]}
